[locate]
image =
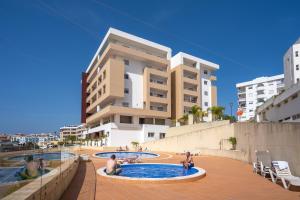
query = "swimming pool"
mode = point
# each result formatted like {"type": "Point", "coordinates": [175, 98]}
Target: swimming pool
{"type": "Point", "coordinates": [156, 172]}
{"type": "Point", "coordinates": [12, 174]}
{"type": "Point", "coordinates": [45, 156]}
{"type": "Point", "coordinates": [8, 174]}
{"type": "Point", "coordinates": [126, 154]}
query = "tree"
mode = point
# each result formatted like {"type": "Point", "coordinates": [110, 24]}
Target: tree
{"type": "Point", "coordinates": [196, 112]}
{"type": "Point", "coordinates": [228, 117]}
{"type": "Point", "coordinates": [184, 119]}
{"type": "Point", "coordinates": [217, 112]}
{"type": "Point", "coordinates": [135, 144]}
{"type": "Point", "coordinates": [233, 142]}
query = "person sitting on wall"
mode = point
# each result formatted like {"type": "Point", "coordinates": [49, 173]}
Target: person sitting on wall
{"type": "Point", "coordinates": [188, 162]}
{"type": "Point", "coordinates": [112, 167]}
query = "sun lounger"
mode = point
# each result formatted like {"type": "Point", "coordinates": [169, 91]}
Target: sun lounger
{"type": "Point", "coordinates": [263, 163]}
{"type": "Point", "coordinates": [281, 172]}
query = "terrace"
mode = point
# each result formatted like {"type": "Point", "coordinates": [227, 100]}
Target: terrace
{"type": "Point", "coordinates": [226, 179]}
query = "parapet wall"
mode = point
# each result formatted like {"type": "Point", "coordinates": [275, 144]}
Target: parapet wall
{"type": "Point", "coordinates": [281, 139]}
{"type": "Point", "coordinates": [50, 186]}
{"type": "Point", "coordinates": [209, 138]}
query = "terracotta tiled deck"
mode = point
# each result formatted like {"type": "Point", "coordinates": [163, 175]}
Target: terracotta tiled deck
{"type": "Point", "coordinates": [226, 179]}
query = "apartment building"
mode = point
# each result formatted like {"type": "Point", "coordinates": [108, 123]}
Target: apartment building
{"type": "Point", "coordinates": [252, 94]}
{"type": "Point", "coordinates": [72, 130]}
{"type": "Point", "coordinates": [286, 106]}
{"type": "Point", "coordinates": [192, 84]}
{"type": "Point", "coordinates": [126, 90]}
{"type": "Point", "coordinates": [291, 60]}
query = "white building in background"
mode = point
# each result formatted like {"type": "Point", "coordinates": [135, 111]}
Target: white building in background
{"type": "Point", "coordinates": [72, 130]}
{"type": "Point", "coordinates": [252, 94]}
{"type": "Point", "coordinates": [291, 62]}
{"type": "Point", "coordinates": [286, 106]}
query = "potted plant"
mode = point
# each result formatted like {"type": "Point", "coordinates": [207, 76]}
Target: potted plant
{"type": "Point", "coordinates": [232, 141]}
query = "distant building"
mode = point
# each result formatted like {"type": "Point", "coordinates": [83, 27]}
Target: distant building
{"type": "Point", "coordinates": [291, 62]}
{"type": "Point", "coordinates": [40, 139]}
{"type": "Point", "coordinates": [286, 106]}
{"type": "Point", "coordinates": [4, 138]}
{"type": "Point", "coordinates": [72, 130]}
{"type": "Point", "coordinates": [252, 94]}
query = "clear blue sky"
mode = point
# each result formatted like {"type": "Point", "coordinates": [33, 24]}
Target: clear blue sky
{"type": "Point", "coordinates": [45, 45]}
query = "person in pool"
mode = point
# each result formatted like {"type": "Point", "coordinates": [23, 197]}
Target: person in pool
{"type": "Point", "coordinates": [188, 162]}
{"type": "Point", "coordinates": [112, 167]}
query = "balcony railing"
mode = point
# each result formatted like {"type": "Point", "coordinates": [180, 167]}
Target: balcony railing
{"type": "Point", "coordinates": [158, 81]}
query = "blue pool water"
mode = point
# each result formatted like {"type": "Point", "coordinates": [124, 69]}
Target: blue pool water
{"type": "Point", "coordinates": [155, 171]}
{"type": "Point", "coordinates": [45, 156]}
{"type": "Point", "coordinates": [122, 155]}
{"type": "Point", "coordinates": [8, 174]}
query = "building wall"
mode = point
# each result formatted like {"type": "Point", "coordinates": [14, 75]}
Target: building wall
{"type": "Point", "coordinates": [291, 60]}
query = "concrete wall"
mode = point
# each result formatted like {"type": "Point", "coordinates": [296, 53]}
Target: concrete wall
{"type": "Point", "coordinates": [210, 138]}
{"type": "Point", "coordinates": [194, 127]}
{"type": "Point", "coordinates": [51, 186]}
{"type": "Point", "coordinates": [281, 139]}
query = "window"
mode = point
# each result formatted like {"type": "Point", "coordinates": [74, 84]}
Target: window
{"type": "Point", "coordinates": [126, 91]}
{"type": "Point", "coordinates": [205, 72]}
{"type": "Point", "coordinates": [205, 93]}
{"type": "Point", "coordinates": [125, 104]}
{"type": "Point", "coordinates": [250, 102]}
{"type": "Point", "coordinates": [150, 135]}
{"type": "Point", "coordinates": [126, 62]}
{"type": "Point", "coordinates": [296, 54]}
{"type": "Point", "coordinates": [298, 80]}
{"type": "Point", "coordinates": [125, 119]}
{"type": "Point", "coordinates": [126, 76]}
{"type": "Point", "coordinates": [249, 88]}
{"type": "Point", "coordinates": [162, 135]}
{"type": "Point", "coordinates": [206, 103]}
{"type": "Point", "coordinates": [104, 74]}
{"type": "Point", "coordinates": [205, 82]}
{"type": "Point", "coordinates": [160, 121]}
{"type": "Point", "coordinates": [270, 84]}
{"type": "Point", "coordinates": [297, 67]}
{"type": "Point", "coordinates": [104, 87]}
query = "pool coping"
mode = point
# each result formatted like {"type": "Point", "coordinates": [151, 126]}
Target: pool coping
{"type": "Point", "coordinates": [95, 156]}
{"type": "Point", "coordinates": [193, 177]}
{"type": "Point", "coordinates": [8, 158]}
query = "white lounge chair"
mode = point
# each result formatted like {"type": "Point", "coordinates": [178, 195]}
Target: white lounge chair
{"type": "Point", "coordinates": [263, 163]}
{"type": "Point", "coordinates": [281, 172]}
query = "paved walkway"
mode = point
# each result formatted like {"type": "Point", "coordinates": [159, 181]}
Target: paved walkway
{"type": "Point", "coordinates": [226, 179]}
{"type": "Point", "coordinates": [83, 184]}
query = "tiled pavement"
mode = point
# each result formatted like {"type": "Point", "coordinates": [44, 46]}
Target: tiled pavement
{"type": "Point", "coordinates": [226, 179]}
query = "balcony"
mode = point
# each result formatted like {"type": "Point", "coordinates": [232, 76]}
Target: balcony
{"type": "Point", "coordinates": [190, 99]}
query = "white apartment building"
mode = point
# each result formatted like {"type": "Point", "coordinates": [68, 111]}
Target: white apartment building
{"type": "Point", "coordinates": [72, 130]}
{"type": "Point", "coordinates": [286, 106]}
{"type": "Point", "coordinates": [252, 94]}
{"type": "Point", "coordinates": [291, 62]}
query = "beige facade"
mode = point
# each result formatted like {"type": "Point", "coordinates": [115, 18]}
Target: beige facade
{"type": "Point", "coordinates": [106, 82]}
{"type": "Point", "coordinates": [185, 89]}
{"type": "Point", "coordinates": [192, 84]}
